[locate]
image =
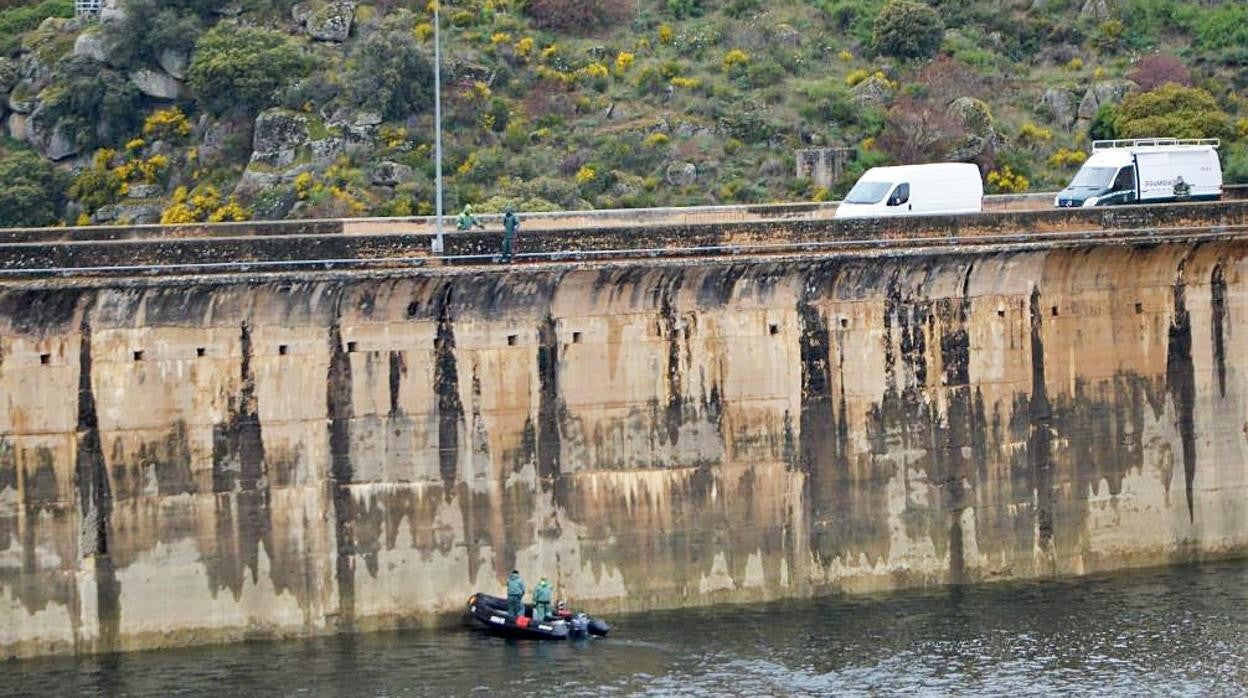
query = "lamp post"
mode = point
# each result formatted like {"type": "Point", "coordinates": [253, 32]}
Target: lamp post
{"type": "Point", "coordinates": [437, 119]}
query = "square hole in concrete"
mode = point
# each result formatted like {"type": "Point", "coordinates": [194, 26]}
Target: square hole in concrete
{"type": "Point", "coordinates": [283, 349]}
{"type": "Point", "coordinates": [138, 356]}
{"type": "Point", "coordinates": [45, 359]}
{"type": "Point", "coordinates": [1139, 308]}
{"type": "Point", "coordinates": [512, 340]}
{"type": "Point", "coordinates": [576, 337]}
{"type": "Point", "coordinates": [1053, 310]}
{"type": "Point", "coordinates": [351, 347]}
{"type": "Point", "coordinates": [201, 352]}
{"type": "Point", "coordinates": [773, 329]}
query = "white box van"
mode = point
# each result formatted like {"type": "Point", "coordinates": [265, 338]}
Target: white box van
{"type": "Point", "coordinates": [915, 190]}
{"type": "Point", "coordinates": [1151, 170]}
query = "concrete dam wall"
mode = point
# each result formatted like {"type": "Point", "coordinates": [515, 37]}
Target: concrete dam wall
{"type": "Point", "coordinates": [188, 461]}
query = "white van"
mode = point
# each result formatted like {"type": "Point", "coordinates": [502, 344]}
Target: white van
{"type": "Point", "coordinates": [914, 190]}
{"type": "Point", "coordinates": [1151, 170]}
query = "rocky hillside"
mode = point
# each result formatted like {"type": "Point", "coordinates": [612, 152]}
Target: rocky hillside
{"type": "Point", "coordinates": [188, 110]}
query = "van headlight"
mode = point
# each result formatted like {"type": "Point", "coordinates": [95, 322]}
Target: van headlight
{"type": "Point", "coordinates": [1091, 201]}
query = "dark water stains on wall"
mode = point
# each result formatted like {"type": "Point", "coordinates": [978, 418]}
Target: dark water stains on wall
{"type": "Point", "coordinates": [1217, 292]}
{"type": "Point", "coordinates": [1181, 383]}
{"type": "Point", "coordinates": [340, 410]}
{"type": "Point", "coordinates": [446, 386]}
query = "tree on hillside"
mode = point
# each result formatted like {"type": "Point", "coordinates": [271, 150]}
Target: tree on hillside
{"type": "Point", "coordinates": [97, 105]}
{"type": "Point", "coordinates": [906, 29]}
{"type": "Point", "coordinates": [917, 131]}
{"type": "Point", "coordinates": [243, 68]}
{"type": "Point", "coordinates": [1172, 111]}
{"type": "Point", "coordinates": [1151, 72]}
{"type": "Point", "coordinates": [392, 75]}
{"type": "Point", "coordinates": [34, 190]}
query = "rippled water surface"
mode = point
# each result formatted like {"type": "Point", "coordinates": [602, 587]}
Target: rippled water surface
{"type": "Point", "coordinates": [1171, 632]}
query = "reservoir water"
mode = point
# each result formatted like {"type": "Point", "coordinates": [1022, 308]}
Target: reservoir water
{"type": "Point", "coordinates": [1179, 631]}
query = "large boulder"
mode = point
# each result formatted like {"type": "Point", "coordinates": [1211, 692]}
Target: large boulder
{"type": "Point", "coordinates": [278, 135]}
{"type": "Point", "coordinates": [332, 22]}
{"type": "Point", "coordinates": [681, 174]}
{"type": "Point", "coordinates": [9, 75]}
{"type": "Point", "coordinates": [1059, 106]}
{"type": "Point", "coordinates": [174, 62]}
{"type": "Point", "coordinates": [1100, 94]}
{"type": "Point", "coordinates": [975, 118]}
{"type": "Point", "coordinates": [23, 98]}
{"type": "Point", "coordinates": [1098, 9]}
{"type": "Point", "coordinates": [389, 174]}
{"type": "Point", "coordinates": [16, 124]}
{"type": "Point", "coordinates": [874, 91]}
{"type": "Point", "coordinates": [53, 140]}
{"type": "Point", "coordinates": [157, 85]}
{"type": "Point", "coordinates": [93, 45]}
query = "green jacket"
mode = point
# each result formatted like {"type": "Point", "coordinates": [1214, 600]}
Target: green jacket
{"type": "Point", "coordinates": [515, 585]}
{"type": "Point", "coordinates": [542, 592]}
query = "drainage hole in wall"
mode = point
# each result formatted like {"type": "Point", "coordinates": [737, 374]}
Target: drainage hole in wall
{"type": "Point", "coordinates": [576, 337]}
{"type": "Point", "coordinates": [283, 350]}
{"type": "Point", "coordinates": [138, 356]}
{"type": "Point", "coordinates": [45, 359]}
{"type": "Point", "coordinates": [773, 329]}
{"type": "Point", "coordinates": [512, 340]}
{"type": "Point", "coordinates": [351, 347]}
{"type": "Point", "coordinates": [201, 352]}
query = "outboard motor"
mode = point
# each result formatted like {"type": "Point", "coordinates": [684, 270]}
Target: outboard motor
{"type": "Point", "coordinates": [599, 627]}
{"type": "Point", "coordinates": [578, 625]}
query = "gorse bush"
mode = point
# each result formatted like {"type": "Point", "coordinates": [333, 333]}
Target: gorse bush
{"type": "Point", "coordinates": [392, 75]}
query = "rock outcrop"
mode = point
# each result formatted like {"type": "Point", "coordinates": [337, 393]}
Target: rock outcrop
{"type": "Point", "coordinates": [1100, 94]}
{"type": "Point", "coordinates": [157, 85]}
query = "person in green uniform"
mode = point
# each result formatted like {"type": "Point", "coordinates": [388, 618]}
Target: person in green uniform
{"type": "Point", "coordinates": [1182, 190]}
{"type": "Point", "coordinates": [467, 221]}
{"type": "Point", "coordinates": [541, 600]}
{"type": "Point", "coordinates": [515, 594]}
{"type": "Point", "coordinates": [511, 223]}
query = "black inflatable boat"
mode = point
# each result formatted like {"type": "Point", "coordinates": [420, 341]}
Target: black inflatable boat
{"type": "Point", "coordinates": [491, 611]}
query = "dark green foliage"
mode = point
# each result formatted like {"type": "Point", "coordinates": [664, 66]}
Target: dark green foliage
{"type": "Point", "coordinates": [1102, 127]}
{"type": "Point", "coordinates": [95, 188]}
{"type": "Point", "coordinates": [393, 75]}
{"type": "Point", "coordinates": [577, 16]}
{"type": "Point", "coordinates": [151, 27]}
{"type": "Point", "coordinates": [905, 29]}
{"type": "Point", "coordinates": [1225, 31]}
{"type": "Point", "coordinates": [243, 68]}
{"type": "Point", "coordinates": [34, 190]}
{"type": "Point", "coordinates": [684, 9]}
{"type": "Point", "coordinates": [97, 105]}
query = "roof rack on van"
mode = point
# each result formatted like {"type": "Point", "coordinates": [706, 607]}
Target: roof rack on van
{"type": "Point", "coordinates": [1144, 142]}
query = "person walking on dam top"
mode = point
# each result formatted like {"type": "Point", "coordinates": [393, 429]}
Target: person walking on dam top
{"type": "Point", "coordinates": [515, 594]}
{"type": "Point", "coordinates": [541, 600]}
{"type": "Point", "coordinates": [511, 224]}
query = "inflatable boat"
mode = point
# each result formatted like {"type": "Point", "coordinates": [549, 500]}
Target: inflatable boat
{"type": "Point", "coordinates": [491, 612]}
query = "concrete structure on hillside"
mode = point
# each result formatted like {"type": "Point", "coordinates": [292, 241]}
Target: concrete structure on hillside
{"type": "Point", "coordinates": [189, 460]}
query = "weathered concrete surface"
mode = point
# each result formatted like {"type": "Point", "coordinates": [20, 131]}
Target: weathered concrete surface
{"type": "Point", "coordinates": [184, 462]}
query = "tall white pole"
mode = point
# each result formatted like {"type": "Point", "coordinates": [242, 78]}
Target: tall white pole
{"type": "Point", "coordinates": [437, 117]}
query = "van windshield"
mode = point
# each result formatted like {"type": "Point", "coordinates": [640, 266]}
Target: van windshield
{"type": "Point", "coordinates": [1094, 177]}
{"type": "Point", "coordinates": [868, 192]}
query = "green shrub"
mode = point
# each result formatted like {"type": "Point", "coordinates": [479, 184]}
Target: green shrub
{"type": "Point", "coordinates": [239, 67]}
{"type": "Point", "coordinates": [1172, 111]}
{"type": "Point", "coordinates": [151, 27]}
{"type": "Point", "coordinates": [905, 29]}
{"type": "Point", "coordinates": [23, 18]}
{"type": "Point", "coordinates": [97, 106]}
{"type": "Point", "coordinates": [392, 75]}
{"type": "Point", "coordinates": [1225, 30]}
{"type": "Point", "coordinates": [34, 190]}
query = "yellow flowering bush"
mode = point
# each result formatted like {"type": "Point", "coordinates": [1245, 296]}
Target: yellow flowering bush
{"type": "Point", "coordinates": [623, 61]}
{"type": "Point", "coordinates": [524, 47]}
{"type": "Point", "coordinates": [845, 56]}
{"type": "Point", "coordinates": [1065, 157]}
{"type": "Point", "coordinates": [500, 38]}
{"type": "Point", "coordinates": [167, 124]}
{"type": "Point", "coordinates": [665, 34]}
{"type": "Point", "coordinates": [135, 144]}
{"type": "Point", "coordinates": [735, 57]}
{"type": "Point", "coordinates": [685, 83]}
{"type": "Point", "coordinates": [1031, 134]}
{"type": "Point", "coordinates": [1006, 181]}
{"type": "Point", "coordinates": [423, 31]}
{"type": "Point", "coordinates": [586, 174]}
{"type": "Point", "coordinates": [657, 140]}
{"type": "Point", "coordinates": [231, 211]}
{"type": "Point", "coordinates": [1074, 65]}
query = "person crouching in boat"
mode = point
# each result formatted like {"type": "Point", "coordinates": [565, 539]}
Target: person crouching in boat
{"type": "Point", "coordinates": [515, 594]}
{"type": "Point", "coordinates": [541, 600]}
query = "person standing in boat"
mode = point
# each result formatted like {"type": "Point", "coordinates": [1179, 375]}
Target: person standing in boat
{"type": "Point", "coordinates": [541, 600]}
{"type": "Point", "coordinates": [515, 595]}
